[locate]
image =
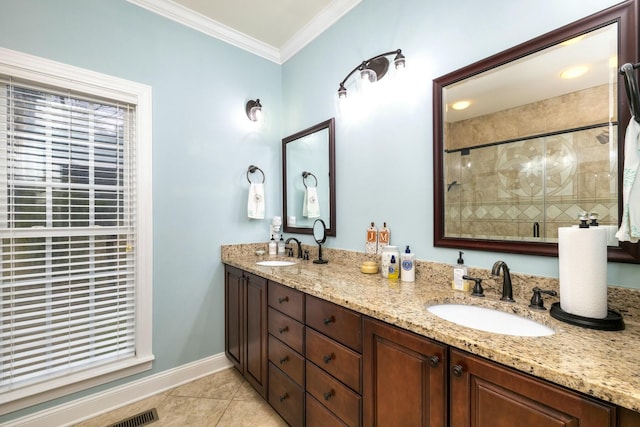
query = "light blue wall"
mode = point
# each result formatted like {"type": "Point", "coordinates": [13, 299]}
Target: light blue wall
{"type": "Point", "coordinates": [202, 146]}
{"type": "Point", "coordinates": [202, 142]}
{"type": "Point", "coordinates": [384, 157]}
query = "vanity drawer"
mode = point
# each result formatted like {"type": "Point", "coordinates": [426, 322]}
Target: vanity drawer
{"type": "Point", "coordinates": [339, 323]}
{"type": "Point", "coordinates": [319, 416]}
{"type": "Point", "coordinates": [338, 360]}
{"type": "Point", "coordinates": [286, 300]}
{"type": "Point", "coordinates": [286, 397]}
{"type": "Point", "coordinates": [286, 330]}
{"type": "Point", "coordinates": [334, 395]}
{"type": "Point", "coordinates": [287, 360]}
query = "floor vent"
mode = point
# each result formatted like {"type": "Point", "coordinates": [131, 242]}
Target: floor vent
{"type": "Point", "coordinates": [142, 419]}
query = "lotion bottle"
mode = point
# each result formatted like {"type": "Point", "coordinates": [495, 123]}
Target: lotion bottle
{"type": "Point", "coordinates": [273, 247]}
{"type": "Point", "coordinates": [408, 266]}
{"type": "Point", "coordinates": [459, 270]}
{"type": "Point", "coordinates": [393, 269]}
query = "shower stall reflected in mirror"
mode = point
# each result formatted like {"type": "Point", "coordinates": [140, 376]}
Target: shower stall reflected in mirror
{"type": "Point", "coordinates": [525, 189]}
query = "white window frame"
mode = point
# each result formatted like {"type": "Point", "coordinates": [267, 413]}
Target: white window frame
{"type": "Point", "coordinates": [61, 75]}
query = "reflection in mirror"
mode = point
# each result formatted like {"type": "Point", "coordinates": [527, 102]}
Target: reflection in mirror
{"type": "Point", "coordinates": [527, 139]}
{"type": "Point", "coordinates": [308, 179]}
{"type": "Point", "coordinates": [320, 236]}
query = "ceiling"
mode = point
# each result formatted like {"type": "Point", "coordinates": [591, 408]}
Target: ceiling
{"type": "Point", "coordinates": [274, 29]}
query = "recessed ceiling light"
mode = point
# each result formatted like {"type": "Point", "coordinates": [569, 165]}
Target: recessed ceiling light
{"type": "Point", "coordinates": [460, 105]}
{"type": "Point", "coordinates": [573, 72]}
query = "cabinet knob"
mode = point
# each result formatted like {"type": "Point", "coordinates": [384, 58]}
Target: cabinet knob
{"type": "Point", "coordinates": [329, 319]}
{"type": "Point", "coordinates": [328, 358]}
{"type": "Point", "coordinates": [284, 359]}
{"type": "Point", "coordinates": [434, 361]}
{"type": "Point", "coordinates": [284, 397]}
{"type": "Point", "coordinates": [457, 370]}
{"type": "Point", "coordinates": [283, 329]}
{"type": "Point", "coordinates": [328, 394]}
{"type": "Point", "coordinates": [283, 299]}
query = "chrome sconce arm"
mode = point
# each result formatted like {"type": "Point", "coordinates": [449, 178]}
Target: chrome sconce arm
{"type": "Point", "coordinates": [373, 69]}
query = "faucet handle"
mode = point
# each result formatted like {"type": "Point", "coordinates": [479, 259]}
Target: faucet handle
{"type": "Point", "coordinates": [477, 288]}
{"type": "Point", "coordinates": [537, 302]}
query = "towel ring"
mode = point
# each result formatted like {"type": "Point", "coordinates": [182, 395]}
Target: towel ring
{"type": "Point", "coordinates": [631, 86]}
{"type": "Point", "coordinates": [305, 175]}
{"type": "Point", "coordinates": [252, 169]}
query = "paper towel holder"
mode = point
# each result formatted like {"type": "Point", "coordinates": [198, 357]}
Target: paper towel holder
{"type": "Point", "coordinates": [613, 321]}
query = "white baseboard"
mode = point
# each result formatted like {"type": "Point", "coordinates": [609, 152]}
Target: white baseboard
{"type": "Point", "coordinates": [84, 408]}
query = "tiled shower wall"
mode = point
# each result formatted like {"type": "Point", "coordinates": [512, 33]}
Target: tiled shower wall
{"type": "Point", "coordinates": [502, 191]}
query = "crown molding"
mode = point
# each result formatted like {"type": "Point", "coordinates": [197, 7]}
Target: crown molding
{"type": "Point", "coordinates": [178, 13]}
{"type": "Point", "coordinates": [199, 22]}
{"type": "Point", "coordinates": [326, 18]}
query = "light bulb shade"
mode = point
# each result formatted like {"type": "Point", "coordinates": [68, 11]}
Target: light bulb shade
{"type": "Point", "coordinates": [342, 92]}
{"type": "Point", "coordinates": [399, 60]}
{"type": "Point", "coordinates": [254, 110]}
{"type": "Point", "coordinates": [368, 75]}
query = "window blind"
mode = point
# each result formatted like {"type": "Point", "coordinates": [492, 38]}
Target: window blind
{"type": "Point", "coordinates": [67, 232]}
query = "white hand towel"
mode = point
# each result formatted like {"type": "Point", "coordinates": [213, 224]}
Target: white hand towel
{"type": "Point", "coordinates": [310, 204]}
{"type": "Point", "coordinates": [255, 204]}
{"type": "Point", "coordinates": [630, 227]}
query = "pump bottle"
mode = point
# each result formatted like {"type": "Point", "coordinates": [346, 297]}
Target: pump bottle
{"type": "Point", "coordinates": [459, 270]}
{"type": "Point", "coordinates": [393, 269]}
{"type": "Point", "coordinates": [408, 266]}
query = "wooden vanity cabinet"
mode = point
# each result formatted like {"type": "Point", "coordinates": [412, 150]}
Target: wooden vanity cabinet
{"type": "Point", "coordinates": [245, 297]}
{"type": "Point", "coordinates": [485, 394]}
{"type": "Point", "coordinates": [286, 349]}
{"type": "Point", "coordinates": [333, 343]}
{"type": "Point", "coordinates": [404, 378]}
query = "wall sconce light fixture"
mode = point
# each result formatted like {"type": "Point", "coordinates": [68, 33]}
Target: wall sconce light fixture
{"type": "Point", "coordinates": [373, 69]}
{"type": "Point", "coordinates": [254, 110]}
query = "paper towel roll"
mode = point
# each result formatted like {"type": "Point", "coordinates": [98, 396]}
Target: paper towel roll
{"type": "Point", "coordinates": [582, 258]}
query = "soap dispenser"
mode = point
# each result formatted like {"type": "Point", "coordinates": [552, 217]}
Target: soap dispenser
{"type": "Point", "coordinates": [408, 266]}
{"type": "Point", "coordinates": [273, 247]}
{"type": "Point", "coordinates": [281, 246]}
{"type": "Point", "coordinates": [393, 269]}
{"type": "Point", "coordinates": [459, 270]}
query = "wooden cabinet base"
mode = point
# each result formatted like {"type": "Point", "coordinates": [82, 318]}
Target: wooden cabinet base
{"type": "Point", "coordinates": [286, 397]}
{"type": "Point", "coordinates": [485, 394]}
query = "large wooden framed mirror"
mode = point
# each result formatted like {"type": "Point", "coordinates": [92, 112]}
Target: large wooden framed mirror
{"type": "Point", "coordinates": [522, 146]}
{"type": "Point", "coordinates": [308, 179]}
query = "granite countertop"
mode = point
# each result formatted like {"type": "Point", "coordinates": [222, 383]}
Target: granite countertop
{"type": "Point", "coordinates": [603, 364]}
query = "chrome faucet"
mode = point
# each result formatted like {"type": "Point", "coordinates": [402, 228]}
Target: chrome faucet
{"type": "Point", "coordinates": [298, 243]}
{"type": "Point", "coordinates": [507, 290]}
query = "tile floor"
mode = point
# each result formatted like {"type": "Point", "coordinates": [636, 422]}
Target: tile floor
{"type": "Point", "coordinates": [222, 399]}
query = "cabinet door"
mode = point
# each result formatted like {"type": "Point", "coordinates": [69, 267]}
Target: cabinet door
{"type": "Point", "coordinates": [255, 369]}
{"type": "Point", "coordinates": [233, 316]}
{"type": "Point", "coordinates": [485, 394]}
{"type": "Point", "coordinates": [404, 378]}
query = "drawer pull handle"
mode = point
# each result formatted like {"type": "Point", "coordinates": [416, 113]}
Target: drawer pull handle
{"type": "Point", "coordinates": [327, 358]}
{"type": "Point", "coordinates": [328, 394]}
{"type": "Point", "coordinates": [283, 299]}
{"type": "Point", "coordinates": [283, 329]}
{"type": "Point", "coordinates": [284, 360]}
{"type": "Point", "coordinates": [434, 361]}
{"type": "Point", "coordinates": [457, 370]}
{"type": "Point", "coordinates": [329, 319]}
{"type": "Point", "coordinates": [284, 397]}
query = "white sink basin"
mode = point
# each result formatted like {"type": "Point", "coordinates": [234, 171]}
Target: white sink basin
{"type": "Point", "coordinates": [275, 263]}
{"type": "Point", "coordinates": [490, 320]}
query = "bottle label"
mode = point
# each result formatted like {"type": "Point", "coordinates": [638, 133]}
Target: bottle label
{"type": "Point", "coordinates": [407, 264]}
